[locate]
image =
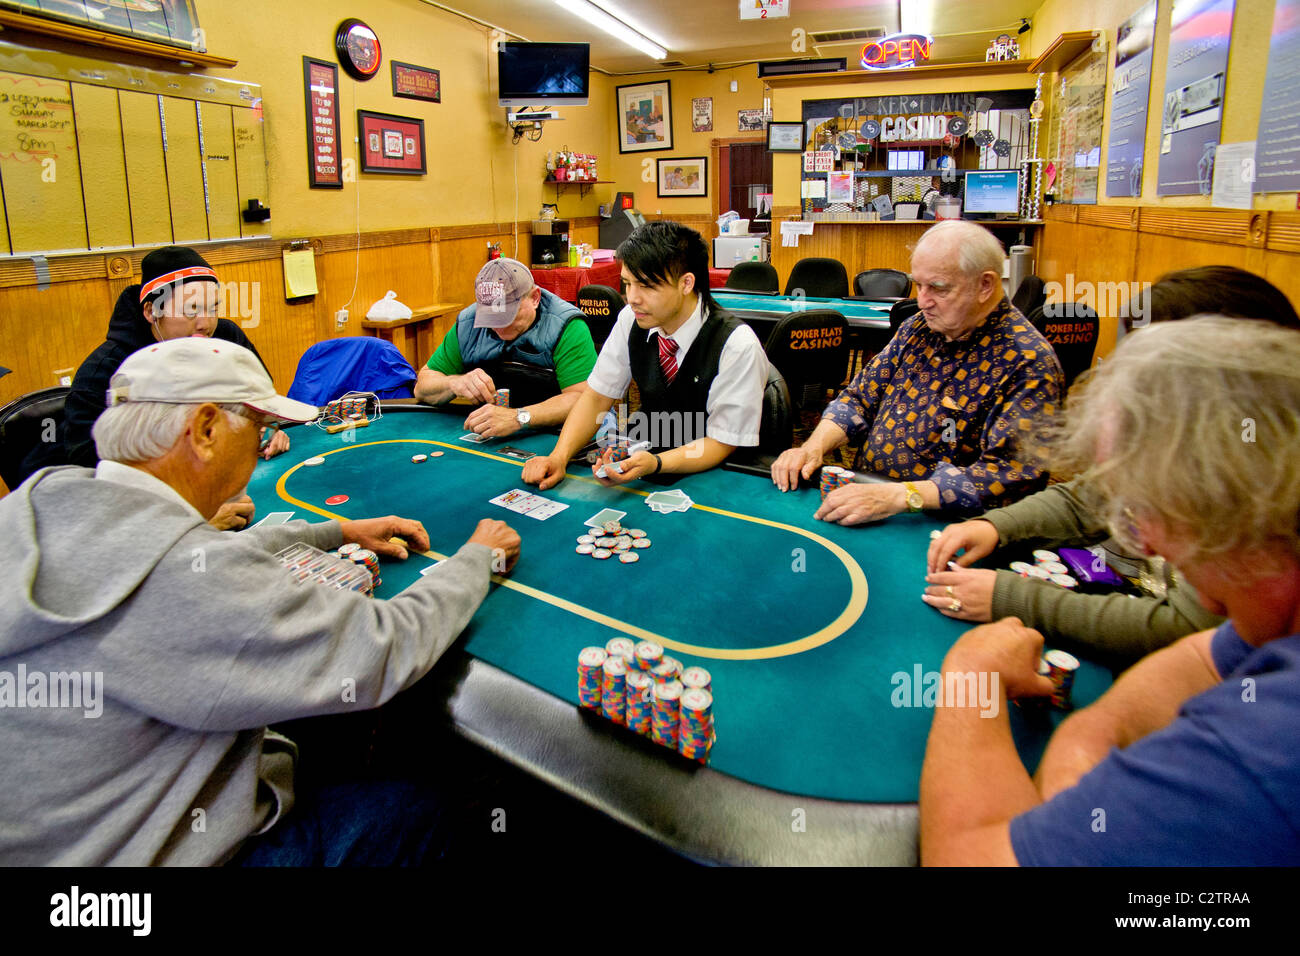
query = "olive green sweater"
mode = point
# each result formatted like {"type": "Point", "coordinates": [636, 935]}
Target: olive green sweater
{"type": "Point", "coordinates": [1116, 624]}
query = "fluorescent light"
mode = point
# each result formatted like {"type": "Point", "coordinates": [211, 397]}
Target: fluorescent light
{"type": "Point", "coordinates": [614, 27]}
{"type": "Point", "coordinates": [916, 16]}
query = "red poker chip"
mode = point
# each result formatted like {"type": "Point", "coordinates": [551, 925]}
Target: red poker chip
{"type": "Point", "coordinates": [336, 499]}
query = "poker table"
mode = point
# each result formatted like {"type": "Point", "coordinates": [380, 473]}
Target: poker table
{"type": "Point", "coordinates": [868, 319]}
{"type": "Point", "coordinates": [814, 635]}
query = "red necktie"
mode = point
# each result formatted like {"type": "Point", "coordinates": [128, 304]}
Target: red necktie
{"type": "Point", "coordinates": [668, 357]}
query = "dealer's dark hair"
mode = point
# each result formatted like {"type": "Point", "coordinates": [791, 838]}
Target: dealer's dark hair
{"type": "Point", "coordinates": [663, 251]}
{"type": "Point", "coordinates": [1218, 290]}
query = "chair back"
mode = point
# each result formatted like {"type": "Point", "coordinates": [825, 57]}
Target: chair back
{"type": "Point", "coordinates": [30, 434]}
{"type": "Point", "coordinates": [600, 307]}
{"type": "Point", "coordinates": [819, 279]}
{"type": "Point", "coordinates": [811, 350]}
{"type": "Point", "coordinates": [1031, 294]}
{"type": "Point", "coordinates": [882, 284]}
{"type": "Point", "coordinates": [357, 363]}
{"type": "Point", "coordinates": [1072, 328]}
{"type": "Point", "coordinates": [754, 277]}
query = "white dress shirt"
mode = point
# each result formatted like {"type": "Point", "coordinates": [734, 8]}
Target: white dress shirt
{"type": "Point", "coordinates": [735, 402]}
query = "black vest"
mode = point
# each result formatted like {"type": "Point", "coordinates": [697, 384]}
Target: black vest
{"type": "Point", "coordinates": [686, 399]}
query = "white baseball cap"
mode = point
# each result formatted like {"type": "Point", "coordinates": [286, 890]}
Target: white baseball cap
{"type": "Point", "coordinates": [194, 370]}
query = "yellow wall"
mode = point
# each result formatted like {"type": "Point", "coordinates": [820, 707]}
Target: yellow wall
{"type": "Point", "coordinates": [472, 166]}
{"type": "Point", "coordinates": [1247, 58]}
{"type": "Point", "coordinates": [684, 86]}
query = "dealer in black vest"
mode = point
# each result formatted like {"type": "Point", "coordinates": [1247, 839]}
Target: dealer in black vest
{"type": "Point", "coordinates": [516, 336]}
{"type": "Point", "coordinates": [700, 371]}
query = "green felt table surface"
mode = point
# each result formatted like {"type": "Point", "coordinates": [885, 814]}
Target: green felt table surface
{"type": "Point", "coordinates": [863, 310]}
{"type": "Point", "coordinates": [805, 626]}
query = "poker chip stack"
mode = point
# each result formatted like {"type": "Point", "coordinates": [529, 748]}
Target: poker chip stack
{"type": "Point", "coordinates": [368, 560]}
{"type": "Point", "coordinates": [1047, 566]}
{"type": "Point", "coordinates": [613, 689]}
{"type": "Point", "coordinates": [833, 477]}
{"type": "Point", "coordinates": [695, 730]}
{"type": "Point", "coordinates": [502, 398]}
{"type": "Point", "coordinates": [1061, 668]}
{"type": "Point", "coordinates": [637, 685]}
{"type": "Point", "coordinates": [591, 673]}
{"type": "Point", "coordinates": [306, 563]}
{"type": "Point", "coordinates": [613, 540]}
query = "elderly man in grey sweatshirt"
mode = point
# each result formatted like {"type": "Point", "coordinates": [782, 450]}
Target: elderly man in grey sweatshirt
{"type": "Point", "coordinates": [179, 643]}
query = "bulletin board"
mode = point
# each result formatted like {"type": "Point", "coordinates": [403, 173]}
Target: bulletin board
{"type": "Point", "coordinates": [96, 155]}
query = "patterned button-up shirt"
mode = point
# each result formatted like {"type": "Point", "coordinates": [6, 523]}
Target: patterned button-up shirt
{"type": "Point", "coordinates": [964, 415]}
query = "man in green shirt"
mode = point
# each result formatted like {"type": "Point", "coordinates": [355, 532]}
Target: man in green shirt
{"type": "Point", "coordinates": [516, 336]}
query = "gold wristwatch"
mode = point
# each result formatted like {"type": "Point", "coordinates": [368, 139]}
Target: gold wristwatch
{"type": "Point", "coordinates": [914, 500]}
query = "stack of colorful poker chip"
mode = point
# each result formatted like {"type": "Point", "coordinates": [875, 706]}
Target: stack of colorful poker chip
{"type": "Point", "coordinates": [666, 714]}
{"type": "Point", "coordinates": [669, 668]}
{"type": "Point", "coordinates": [369, 560]}
{"type": "Point", "coordinates": [1047, 567]}
{"type": "Point", "coordinates": [1060, 671]}
{"type": "Point", "coordinates": [695, 730]}
{"type": "Point", "coordinates": [640, 701]}
{"type": "Point", "coordinates": [591, 674]}
{"type": "Point", "coordinates": [349, 549]}
{"type": "Point", "coordinates": [834, 477]}
{"type": "Point", "coordinates": [646, 656]}
{"type": "Point", "coordinates": [613, 689]}
{"type": "Point", "coordinates": [502, 398]}
{"type": "Point", "coordinates": [697, 678]}
{"type": "Point", "coordinates": [623, 647]}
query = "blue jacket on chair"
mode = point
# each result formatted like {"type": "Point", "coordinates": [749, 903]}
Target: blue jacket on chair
{"type": "Point", "coordinates": [353, 364]}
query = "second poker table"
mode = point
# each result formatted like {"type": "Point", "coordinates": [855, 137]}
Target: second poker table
{"type": "Point", "coordinates": [814, 634]}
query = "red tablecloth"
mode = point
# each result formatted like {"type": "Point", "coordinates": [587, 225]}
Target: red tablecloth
{"type": "Point", "coordinates": [565, 281]}
{"type": "Point", "coordinates": [718, 278]}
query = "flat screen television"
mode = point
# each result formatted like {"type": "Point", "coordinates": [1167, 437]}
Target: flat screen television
{"type": "Point", "coordinates": [992, 191]}
{"type": "Point", "coordinates": [542, 74]}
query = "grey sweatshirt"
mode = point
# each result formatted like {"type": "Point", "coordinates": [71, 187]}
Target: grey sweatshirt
{"type": "Point", "coordinates": [197, 639]}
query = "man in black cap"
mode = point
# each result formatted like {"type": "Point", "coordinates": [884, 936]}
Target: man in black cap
{"type": "Point", "coordinates": [179, 296]}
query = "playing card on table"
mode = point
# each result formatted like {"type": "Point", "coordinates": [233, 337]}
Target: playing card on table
{"type": "Point", "coordinates": [605, 514]}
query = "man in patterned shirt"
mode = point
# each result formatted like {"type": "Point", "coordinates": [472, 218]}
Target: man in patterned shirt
{"type": "Point", "coordinates": [950, 407]}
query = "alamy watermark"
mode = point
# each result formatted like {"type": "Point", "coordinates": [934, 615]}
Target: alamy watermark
{"type": "Point", "coordinates": [75, 690]}
{"type": "Point", "coordinates": [1122, 300]}
{"type": "Point", "coordinates": [950, 689]}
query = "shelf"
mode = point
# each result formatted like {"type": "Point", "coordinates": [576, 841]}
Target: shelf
{"type": "Point", "coordinates": [582, 184]}
{"type": "Point", "coordinates": [1063, 51]}
{"type": "Point", "coordinates": [10, 20]}
{"type": "Point", "coordinates": [973, 68]}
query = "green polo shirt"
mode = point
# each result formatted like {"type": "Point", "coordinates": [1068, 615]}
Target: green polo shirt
{"type": "Point", "coordinates": [575, 355]}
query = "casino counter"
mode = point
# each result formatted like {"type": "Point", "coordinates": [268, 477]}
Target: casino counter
{"type": "Point", "coordinates": [813, 634]}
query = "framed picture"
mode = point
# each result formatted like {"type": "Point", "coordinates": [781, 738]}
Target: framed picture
{"type": "Point", "coordinates": [748, 121]}
{"type": "Point", "coordinates": [645, 119]}
{"type": "Point", "coordinates": [702, 114]}
{"type": "Point", "coordinates": [683, 177]}
{"type": "Point", "coordinates": [785, 137]}
{"type": "Point", "coordinates": [320, 81]}
{"type": "Point", "coordinates": [393, 144]}
{"type": "Point", "coordinates": [416, 82]}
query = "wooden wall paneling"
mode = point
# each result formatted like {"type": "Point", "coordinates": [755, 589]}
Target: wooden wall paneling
{"type": "Point", "coordinates": [44, 330]}
{"type": "Point", "coordinates": [281, 331]}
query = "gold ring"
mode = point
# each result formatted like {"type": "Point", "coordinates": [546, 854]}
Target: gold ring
{"type": "Point", "coordinates": [949, 590]}
{"type": "Point", "coordinates": [955, 607]}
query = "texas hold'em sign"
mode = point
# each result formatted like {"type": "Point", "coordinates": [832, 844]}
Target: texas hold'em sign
{"type": "Point", "coordinates": [894, 52]}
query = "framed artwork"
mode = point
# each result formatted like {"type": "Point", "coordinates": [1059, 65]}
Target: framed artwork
{"type": "Point", "coordinates": [645, 119]}
{"type": "Point", "coordinates": [321, 84]}
{"type": "Point", "coordinates": [391, 144]}
{"type": "Point", "coordinates": [785, 137]}
{"type": "Point", "coordinates": [683, 177]}
{"type": "Point", "coordinates": [416, 82]}
{"type": "Point", "coordinates": [702, 114]}
{"type": "Point", "coordinates": [749, 121]}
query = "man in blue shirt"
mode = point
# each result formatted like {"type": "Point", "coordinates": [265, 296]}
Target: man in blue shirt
{"type": "Point", "coordinates": [1191, 757]}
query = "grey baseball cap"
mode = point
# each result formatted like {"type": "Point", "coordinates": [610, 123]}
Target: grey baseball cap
{"type": "Point", "coordinates": [497, 290]}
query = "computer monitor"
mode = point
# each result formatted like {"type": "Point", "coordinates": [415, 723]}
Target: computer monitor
{"type": "Point", "coordinates": [992, 191]}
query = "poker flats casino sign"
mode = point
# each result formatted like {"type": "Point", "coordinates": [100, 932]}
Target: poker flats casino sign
{"type": "Point", "coordinates": [896, 52]}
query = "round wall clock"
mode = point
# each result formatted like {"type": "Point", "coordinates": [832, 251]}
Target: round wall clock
{"type": "Point", "coordinates": [358, 49]}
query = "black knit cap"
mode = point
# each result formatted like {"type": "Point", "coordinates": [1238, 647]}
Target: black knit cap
{"type": "Point", "coordinates": [162, 268]}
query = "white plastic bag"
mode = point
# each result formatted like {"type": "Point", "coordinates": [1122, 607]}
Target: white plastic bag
{"type": "Point", "coordinates": [389, 308]}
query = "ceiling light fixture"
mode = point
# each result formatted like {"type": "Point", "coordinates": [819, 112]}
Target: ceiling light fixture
{"type": "Point", "coordinates": [614, 27]}
{"type": "Point", "coordinates": [1024, 25]}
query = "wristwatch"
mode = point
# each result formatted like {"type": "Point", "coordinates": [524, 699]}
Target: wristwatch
{"type": "Point", "coordinates": [524, 416]}
{"type": "Point", "coordinates": [914, 500]}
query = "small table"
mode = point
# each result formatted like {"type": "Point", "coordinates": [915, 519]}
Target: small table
{"type": "Point", "coordinates": [718, 278]}
{"type": "Point", "coordinates": [417, 337]}
{"type": "Point", "coordinates": [565, 281]}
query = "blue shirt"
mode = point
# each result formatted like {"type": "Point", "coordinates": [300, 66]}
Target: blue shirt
{"type": "Point", "coordinates": [1220, 786]}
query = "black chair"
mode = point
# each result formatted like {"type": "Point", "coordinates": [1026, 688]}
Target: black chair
{"type": "Point", "coordinates": [1031, 294]}
{"type": "Point", "coordinates": [1072, 328]}
{"type": "Point", "coordinates": [811, 350]}
{"type": "Point", "coordinates": [900, 312]}
{"type": "Point", "coordinates": [753, 277]}
{"type": "Point", "coordinates": [819, 279]}
{"type": "Point", "coordinates": [27, 425]}
{"type": "Point", "coordinates": [882, 284]}
{"type": "Point", "coordinates": [600, 306]}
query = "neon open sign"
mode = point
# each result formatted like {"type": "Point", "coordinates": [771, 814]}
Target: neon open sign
{"type": "Point", "coordinates": [899, 50]}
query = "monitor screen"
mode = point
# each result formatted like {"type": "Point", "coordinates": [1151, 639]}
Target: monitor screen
{"type": "Point", "coordinates": [992, 190]}
{"type": "Point", "coordinates": [543, 74]}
